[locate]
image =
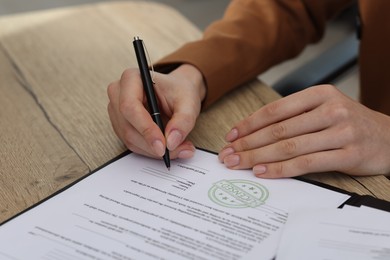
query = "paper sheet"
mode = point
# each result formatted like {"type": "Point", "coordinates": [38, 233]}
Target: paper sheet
{"type": "Point", "coordinates": [336, 234]}
{"type": "Point", "coordinates": [135, 209]}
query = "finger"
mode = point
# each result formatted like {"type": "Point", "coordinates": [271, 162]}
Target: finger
{"type": "Point", "coordinates": [133, 110]}
{"type": "Point", "coordinates": [110, 107]}
{"type": "Point", "coordinates": [113, 95]}
{"type": "Point", "coordinates": [305, 123]}
{"type": "Point", "coordinates": [328, 139]}
{"type": "Point", "coordinates": [130, 137]}
{"type": "Point", "coordinates": [325, 161]}
{"type": "Point", "coordinates": [182, 122]}
{"type": "Point", "coordinates": [113, 119]}
{"type": "Point", "coordinates": [281, 109]}
{"type": "Point", "coordinates": [185, 150]}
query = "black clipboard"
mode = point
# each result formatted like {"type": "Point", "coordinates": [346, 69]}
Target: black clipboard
{"type": "Point", "coordinates": [355, 199]}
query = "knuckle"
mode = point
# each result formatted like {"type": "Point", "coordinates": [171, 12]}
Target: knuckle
{"type": "Point", "coordinates": [289, 147]}
{"type": "Point", "coordinates": [147, 132]}
{"type": "Point", "coordinates": [330, 89]}
{"type": "Point", "coordinates": [245, 124]}
{"type": "Point", "coordinates": [304, 163]}
{"type": "Point", "coordinates": [128, 144]}
{"type": "Point", "coordinates": [348, 133]}
{"type": "Point", "coordinates": [111, 90]}
{"type": "Point", "coordinates": [189, 119]}
{"type": "Point", "coordinates": [251, 158]}
{"type": "Point", "coordinates": [341, 112]}
{"type": "Point", "coordinates": [278, 131]}
{"type": "Point", "coordinates": [338, 111]}
{"type": "Point", "coordinates": [110, 109]}
{"type": "Point", "coordinates": [278, 170]}
{"type": "Point", "coordinates": [242, 145]}
{"type": "Point", "coordinates": [127, 74]}
{"type": "Point", "coordinates": [325, 90]}
{"type": "Point", "coordinates": [126, 107]}
{"type": "Point", "coordinates": [182, 121]}
{"type": "Point", "coordinates": [271, 109]}
{"type": "Point", "coordinates": [127, 138]}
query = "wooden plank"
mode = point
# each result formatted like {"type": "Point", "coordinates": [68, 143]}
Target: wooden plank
{"type": "Point", "coordinates": [70, 55]}
{"type": "Point", "coordinates": [35, 161]}
{"type": "Point", "coordinates": [379, 186]}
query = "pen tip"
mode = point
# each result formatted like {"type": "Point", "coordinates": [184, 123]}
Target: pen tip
{"type": "Point", "coordinates": [169, 168]}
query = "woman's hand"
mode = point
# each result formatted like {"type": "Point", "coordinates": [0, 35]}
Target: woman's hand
{"type": "Point", "coordinates": [179, 94]}
{"type": "Point", "coordinates": [315, 130]}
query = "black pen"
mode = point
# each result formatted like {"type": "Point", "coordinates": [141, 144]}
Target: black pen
{"type": "Point", "coordinates": [149, 90]}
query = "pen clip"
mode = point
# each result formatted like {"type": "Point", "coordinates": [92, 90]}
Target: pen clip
{"type": "Point", "coordinates": [150, 65]}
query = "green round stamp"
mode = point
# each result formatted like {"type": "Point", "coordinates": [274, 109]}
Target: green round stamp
{"type": "Point", "coordinates": [238, 193]}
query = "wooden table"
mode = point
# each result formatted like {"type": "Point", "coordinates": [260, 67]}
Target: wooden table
{"type": "Point", "coordinates": [55, 67]}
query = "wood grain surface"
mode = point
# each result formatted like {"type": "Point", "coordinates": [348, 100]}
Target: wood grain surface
{"type": "Point", "coordinates": [55, 67]}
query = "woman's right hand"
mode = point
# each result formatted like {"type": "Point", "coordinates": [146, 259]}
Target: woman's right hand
{"type": "Point", "coordinates": [179, 94]}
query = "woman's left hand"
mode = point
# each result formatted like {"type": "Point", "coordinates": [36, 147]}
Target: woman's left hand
{"type": "Point", "coordinates": [315, 130]}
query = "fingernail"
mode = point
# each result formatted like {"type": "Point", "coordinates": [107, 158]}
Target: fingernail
{"type": "Point", "coordinates": [231, 160]}
{"type": "Point", "coordinates": [174, 139]}
{"type": "Point", "coordinates": [259, 169]}
{"type": "Point", "coordinates": [158, 148]}
{"type": "Point", "coordinates": [185, 154]}
{"type": "Point", "coordinates": [232, 135]}
{"type": "Point", "coordinates": [225, 152]}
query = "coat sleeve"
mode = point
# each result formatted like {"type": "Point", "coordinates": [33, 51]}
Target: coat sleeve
{"type": "Point", "coordinates": [252, 36]}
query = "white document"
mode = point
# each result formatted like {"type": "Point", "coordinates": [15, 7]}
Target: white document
{"type": "Point", "coordinates": [135, 209]}
{"type": "Point", "coordinates": [336, 234]}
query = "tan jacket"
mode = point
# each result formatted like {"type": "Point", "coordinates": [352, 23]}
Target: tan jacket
{"type": "Point", "coordinates": [257, 34]}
